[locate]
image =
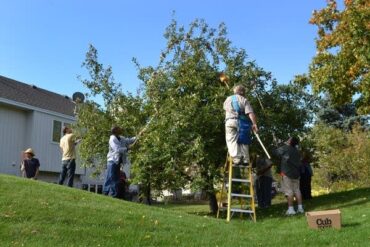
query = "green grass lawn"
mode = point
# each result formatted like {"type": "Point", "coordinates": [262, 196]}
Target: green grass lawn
{"type": "Point", "coordinates": [34, 213]}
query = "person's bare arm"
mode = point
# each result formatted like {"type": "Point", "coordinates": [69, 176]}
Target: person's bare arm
{"type": "Point", "coordinates": [253, 118]}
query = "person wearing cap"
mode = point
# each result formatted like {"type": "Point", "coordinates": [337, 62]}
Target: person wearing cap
{"type": "Point", "coordinates": [30, 165]}
{"type": "Point", "coordinates": [118, 147]}
{"type": "Point", "coordinates": [67, 145]}
{"type": "Point", "coordinates": [290, 168]}
{"type": "Point", "coordinates": [239, 120]}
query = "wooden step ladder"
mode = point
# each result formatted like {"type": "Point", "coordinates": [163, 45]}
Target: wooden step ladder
{"type": "Point", "coordinates": [245, 197]}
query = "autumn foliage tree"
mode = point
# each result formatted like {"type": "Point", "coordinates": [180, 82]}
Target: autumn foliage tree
{"type": "Point", "coordinates": [342, 63]}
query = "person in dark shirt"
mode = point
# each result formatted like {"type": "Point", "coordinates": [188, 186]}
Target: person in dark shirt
{"type": "Point", "coordinates": [306, 175]}
{"type": "Point", "coordinates": [263, 182]}
{"type": "Point", "coordinates": [30, 165]}
{"type": "Point", "coordinates": [290, 159]}
{"type": "Point", "coordinates": [122, 186]}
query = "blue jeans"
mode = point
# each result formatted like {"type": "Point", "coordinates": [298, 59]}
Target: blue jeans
{"type": "Point", "coordinates": [111, 179]}
{"type": "Point", "coordinates": [68, 169]}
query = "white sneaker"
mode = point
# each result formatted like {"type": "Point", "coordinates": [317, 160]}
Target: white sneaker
{"type": "Point", "coordinates": [290, 212]}
{"type": "Point", "coordinates": [300, 210]}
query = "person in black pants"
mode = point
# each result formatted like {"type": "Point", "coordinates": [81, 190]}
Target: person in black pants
{"type": "Point", "coordinates": [306, 176]}
{"type": "Point", "coordinates": [67, 145]}
{"type": "Point", "coordinates": [118, 147]}
{"type": "Point", "coordinates": [264, 182]}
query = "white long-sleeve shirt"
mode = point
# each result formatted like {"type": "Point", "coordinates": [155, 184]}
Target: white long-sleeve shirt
{"type": "Point", "coordinates": [118, 148]}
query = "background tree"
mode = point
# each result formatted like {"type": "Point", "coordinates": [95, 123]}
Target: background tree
{"type": "Point", "coordinates": [342, 158]}
{"type": "Point", "coordinates": [343, 117]}
{"type": "Point", "coordinates": [341, 65]}
{"type": "Point", "coordinates": [340, 141]}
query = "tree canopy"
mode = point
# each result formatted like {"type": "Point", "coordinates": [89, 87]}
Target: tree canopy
{"type": "Point", "coordinates": [341, 65]}
{"type": "Point", "coordinates": [180, 104]}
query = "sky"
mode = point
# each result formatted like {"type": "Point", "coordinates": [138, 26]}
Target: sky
{"type": "Point", "coordinates": [44, 42]}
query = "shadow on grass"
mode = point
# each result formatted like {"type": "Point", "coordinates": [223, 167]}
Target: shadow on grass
{"type": "Point", "coordinates": [351, 225]}
{"type": "Point", "coordinates": [339, 200]}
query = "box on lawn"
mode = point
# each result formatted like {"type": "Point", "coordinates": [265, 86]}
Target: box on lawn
{"type": "Point", "coordinates": [324, 219]}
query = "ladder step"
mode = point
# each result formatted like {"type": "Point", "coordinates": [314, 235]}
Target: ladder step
{"type": "Point", "coordinates": [238, 210]}
{"type": "Point", "coordinates": [241, 195]}
{"type": "Point", "coordinates": [240, 180]}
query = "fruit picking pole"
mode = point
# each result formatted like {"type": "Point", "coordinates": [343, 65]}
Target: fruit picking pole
{"type": "Point", "coordinates": [264, 149]}
{"type": "Point", "coordinates": [145, 128]}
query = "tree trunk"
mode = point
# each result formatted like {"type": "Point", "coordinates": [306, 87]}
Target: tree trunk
{"type": "Point", "coordinates": [210, 191]}
{"type": "Point", "coordinates": [148, 195]}
{"type": "Point", "coordinates": [213, 206]}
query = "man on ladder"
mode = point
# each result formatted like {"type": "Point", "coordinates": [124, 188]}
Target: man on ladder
{"type": "Point", "coordinates": [236, 125]}
{"type": "Point", "coordinates": [238, 128]}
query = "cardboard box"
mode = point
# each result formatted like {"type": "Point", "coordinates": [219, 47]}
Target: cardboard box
{"type": "Point", "coordinates": [324, 219]}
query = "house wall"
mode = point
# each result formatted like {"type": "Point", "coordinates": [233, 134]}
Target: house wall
{"type": "Point", "coordinates": [13, 123]}
{"type": "Point", "coordinates": [48, 151]}
{"type": "Point", "coordinates": [22, 128]}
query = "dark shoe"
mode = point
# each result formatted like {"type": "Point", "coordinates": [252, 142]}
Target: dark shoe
{"type": "Point", "coordinates": [245, 164]}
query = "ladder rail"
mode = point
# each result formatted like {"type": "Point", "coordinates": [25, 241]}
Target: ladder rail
{"type": "Point", "coordinates": [229, 190]}
{"type": "Point", "coordinates": [222, 186]}
{"type": "Point", "coordinates": [251, 189]}
{"type": "Point", "coordinates": [242, 197]}
{"type": "Point", "coordinates": [247, 201]}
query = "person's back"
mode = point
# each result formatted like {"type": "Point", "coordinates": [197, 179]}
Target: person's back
{"type": "Point", "coordinates": [237, 125]}
{"type": "Point", "coordinates": [67, 144]}
{"type": "Point", "coordinates": [290, 160]}
{"type": "Point", "coordinates": [263, 182]}
{"type": "Point", "coordinates": [263, 167]}
{"type": "Point", "coordinates": [230, 112]}
{"type": "Point", "coordinates": [290, 172]}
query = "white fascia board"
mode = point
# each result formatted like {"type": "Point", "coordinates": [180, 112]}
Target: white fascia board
{"type": "Point", "coordinates": [29, 107]}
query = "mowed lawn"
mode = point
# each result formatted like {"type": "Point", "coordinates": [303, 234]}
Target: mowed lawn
{"type": "Point", "coordinates": [34, 213]}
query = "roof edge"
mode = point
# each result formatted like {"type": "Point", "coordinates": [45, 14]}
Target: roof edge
{"type": "Point", "coordinates": [30, 107]}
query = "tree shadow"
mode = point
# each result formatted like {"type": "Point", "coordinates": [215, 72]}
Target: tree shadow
{"type": "Point", "coordinates": [355, 224]}
{"type": "Point", "coordinates": [339, 200]}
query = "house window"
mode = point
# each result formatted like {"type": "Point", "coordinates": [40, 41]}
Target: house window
{"type": "Point", "coordinates": [57, 130]}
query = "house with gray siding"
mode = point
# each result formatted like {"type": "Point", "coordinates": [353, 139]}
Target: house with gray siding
{"type": "Point", "coordinates": [33, 117]}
